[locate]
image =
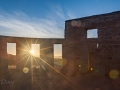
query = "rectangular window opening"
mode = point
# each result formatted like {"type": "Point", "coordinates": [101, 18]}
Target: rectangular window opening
{"type": "Point", "coordinates": [58, 56]}
{"type": "Point", "coordinates": [92, 33]}
{"type": "Point", "coordinates": [11, 53]}
{"type": "Point", "coordinates": [35, 50]}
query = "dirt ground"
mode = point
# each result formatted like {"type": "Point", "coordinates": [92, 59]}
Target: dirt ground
{"type": "Point", "coordinates": [49, 79]}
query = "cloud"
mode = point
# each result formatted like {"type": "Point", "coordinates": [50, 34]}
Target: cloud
{"type": "Point", "coordinates": [58, 11]}
{"type": "Point", "coordinates": [71, 15]}
{"type": "Point", "coordinates": [20, 24]}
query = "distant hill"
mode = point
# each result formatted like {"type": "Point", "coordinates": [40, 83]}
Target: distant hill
{"type": "Point", "coordinates": [11, 59]}
{"type": "Point", "coordinates": [58, 57]}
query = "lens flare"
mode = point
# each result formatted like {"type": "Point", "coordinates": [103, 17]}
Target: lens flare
{"type": "Point", "coordinates": [25, 70]}
{"type": "Point", "coordinates": [78, 23]}
{"type": "Point", "coordinates": [74, 23]}
{"type": "Point", "coordinates": [79, 65]}
{"type": "Point", "coordinates": [114, 74]}
{"type": "Point", "coordinates": [91, 69]}
{"type": "Point", "coordinates": [64, 62]}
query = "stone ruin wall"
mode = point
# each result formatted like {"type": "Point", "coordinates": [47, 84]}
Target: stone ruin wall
{"type": "Point", "coordinates": [3, 55]}
{"type": "Point", "coordinates": [23, 45]}
{"type": "Point", "coordinates": [79, 48]}
{"type": "Point", "coordinates": [81, 53]}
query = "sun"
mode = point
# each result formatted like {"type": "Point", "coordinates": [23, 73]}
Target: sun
{"type": "Point", "coordinates": [31, 52]}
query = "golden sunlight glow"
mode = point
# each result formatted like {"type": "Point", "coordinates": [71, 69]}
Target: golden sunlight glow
{"type": "Point", "coordinates": [79, 65]}
{"type": "Point", "coordinates": [27, 50]}
{"type": "Point", "coordinates": [35, 50]}
{"type": "Point", "coordinates": [91, 69]}
{"type": "Point", "coordinates": [32, 52]}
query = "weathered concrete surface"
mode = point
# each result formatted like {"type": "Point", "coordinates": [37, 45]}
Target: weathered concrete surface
{"type": "Point", "coordinates": [23, 46]}
{"type": "Point", "coordinates": [3, 55]}
{"type": "Point", "coordinates": [77, 46]}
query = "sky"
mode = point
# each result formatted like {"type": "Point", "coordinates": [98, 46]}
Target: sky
{"type": "Point", "coordinates": [46, 18]}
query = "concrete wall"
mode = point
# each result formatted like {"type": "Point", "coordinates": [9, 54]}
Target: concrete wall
{"type": "Point", "coordinates": [23, 45]}
{"type": "Point", "coordinates": [3, 55]}
{"type": "Point", "coordinates": [78, 48]}
{"type": "Point", "coordinates": [75, 48]}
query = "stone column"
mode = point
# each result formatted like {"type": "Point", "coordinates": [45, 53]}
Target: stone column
{"type": "Point", "coordinates": [3, 55]}
{"type": "Point", "coordinates": [23, 57]}
{"type": "Point", "coordinates": [19, 61]}
{"type": "Point", "coordinates": [23, 60]}
{"type": "Point", "coordinates": [46, 53]}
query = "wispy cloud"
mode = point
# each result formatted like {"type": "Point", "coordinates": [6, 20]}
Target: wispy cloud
{"type": "Point", "coordinates": [58, 11]}
{"type": "Point", "coordinates": [71, 15]}
{"type": "Point", "coordinates": [20, 24]}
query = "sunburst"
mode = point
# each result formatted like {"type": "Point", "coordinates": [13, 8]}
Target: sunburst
{"type": "Point", "coordinates": [29, 57]}
{"type": "Point", "coordinates": [32, 52]}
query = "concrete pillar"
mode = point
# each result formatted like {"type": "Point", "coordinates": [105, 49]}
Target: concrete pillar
{"type": "Point", "coordinates": [23, 57]}
{"type": "Point", "coordinates": [46, 53]}
{"type": "Point", "coordinates": [23, 60]}
{"type": "Point", "coordinates": [3, 55]}
{"type": "Point", "coordinates": [19, 61]}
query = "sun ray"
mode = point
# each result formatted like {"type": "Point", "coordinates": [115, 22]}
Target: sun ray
{"type": "Point", "coordinates": [36, 60]}
{"type": "Point", "coordinates": [27, 60]}
{"type": "Point", "coordinates": [60, 73]}
{"type": "Point", "coordinates": [28, 55]}
{"type": "Point", "coordinates": [46, 48]}
{"type": "Point", "coordinates": [31, 52]}
{"type": "Point", "coordinates": [23, 58]}
{"type": "Point", "coordinates": [27, 43]}
{"type": "Point", "coordinates": [26, 48]}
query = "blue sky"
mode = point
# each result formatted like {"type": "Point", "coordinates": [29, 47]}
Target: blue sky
{"type": "Point", "coordinates": [46, 18]}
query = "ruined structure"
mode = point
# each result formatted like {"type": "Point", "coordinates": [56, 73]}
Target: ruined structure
{"type": "Point", "coordinates": [23, 46]}
{"type": "Point", "coordinates": [102, 53]}
{"type": "Point", "coordinates": [81, 53]}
